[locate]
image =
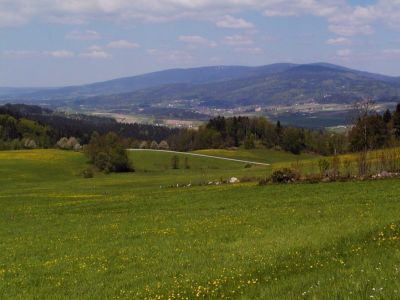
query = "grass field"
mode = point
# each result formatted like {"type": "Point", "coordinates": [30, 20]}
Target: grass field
{"type": "Point", "coordinates": [258, 155]}
{"type": "Point", "coordinates": [122, 236]}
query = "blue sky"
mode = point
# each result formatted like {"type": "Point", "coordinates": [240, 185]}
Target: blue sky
{"type": "Point", "coordinates": [67, 42]}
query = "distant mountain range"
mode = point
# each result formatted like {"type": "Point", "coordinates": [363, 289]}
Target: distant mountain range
{"type": "Point", "coordinates": [276, 84]}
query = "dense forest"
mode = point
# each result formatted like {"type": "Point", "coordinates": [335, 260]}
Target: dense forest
{"type": "Point", "coordinates": [27, 126]}
{"type": "Point", "coordinates": [24, 126]}
{"type": "Point", "coordinates": [250, 133]}
{"type": "Point", "coordinates": [371, 130]}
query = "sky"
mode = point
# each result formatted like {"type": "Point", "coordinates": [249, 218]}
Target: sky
{"type": "Point", "coordinates": [71, 42]}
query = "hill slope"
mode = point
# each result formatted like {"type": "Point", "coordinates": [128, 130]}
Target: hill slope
{"type": "Point", "coordinates": [304, 83]}
{"type": "Point", "coordinates": [122, 236]}
{"type": "Point", "coordinates": [201, 75]}
{"type": "Point", "coordinates": [227, 86]}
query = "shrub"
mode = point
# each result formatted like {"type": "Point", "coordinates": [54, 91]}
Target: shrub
{"type": "Point", "coordinates": [347, 165]}
{"type": "Point", "coordinates": [108, 153]}
{"type": "Point", "coordinates": [154, 145]}
{"type": "Point", "coordinates": [263, 181]}
{"type": "Point", "coordinates": [29, 144]}
{"type": "Point", "coordinates": [249, 142]}
{"type": "Point", "coordinates": [247, 166]}
{"type": "Point", "coordinates": [293, 140]}
{"type": "Point", "coordinates": [175, 162]}
{"type": "Point", "coordinates": [69, 144]}
{"type": "Point", "coordinates": [313, 178]}
{"type": "Point", "coordinates": [163, 145]}
{"type": "Point", "coordinates": [249, 179]}
{"type": "Point", "coordinates": [73, 143]}
{"type": "Point", "coordinates": [323, 166]}
{"type": "Point", "coordinates": [335, 173]}
{"type": "Point", "coordinates": [62, 143]}
{"type": "Point", "coordinates": [144, 145]}
{"type": "Point", "coordinates": [187, 166]}
{"type": "Point", "coordinates": [284, 175]}
{"type": "Point", "coordinates": [102, 162]}
{"type": "Point", "coordinates": [87, 173]}
{"type": "Point", "coordinates": [363, 164]}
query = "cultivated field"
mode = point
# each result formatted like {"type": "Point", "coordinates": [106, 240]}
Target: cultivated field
{"type": "Point", "coordinates": [135, 236]}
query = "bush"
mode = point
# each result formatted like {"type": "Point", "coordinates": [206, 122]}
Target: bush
{"type": "Point", "coordinates": [144, 145]}
{"type": "Point", "coordinates": [175, 162]}
{"type": "Point", "coordinates": [347, 166]}
{"type": "Point", "coordinates": [313, 178]}
{"type": "Point", "coordinates": [247, 166]}
{"type": "Point", "coordinates": [154, 145]}
{"type": "Point", "coordinates": [108, 153]}
{"type": "Point", "coordinates": [249, 179]}
{"type": "Point", "coordinates": [293, 140]}
{"type": "Point", "coordinates": [163, 145]}
{"type": "Point", "coordinates": [62, 143]}
{"type": "Point", "coordinates": [187, 166]}
{"type": "Point", "coordinates": [87, 173]}
{"type": "Point", "coordinates": [69, 144]}
{"type": "Point", "coordinates": [363, 164]}
{"type": "Point", "coordinates": [323, 166]}
{"type": "Point", "coordinates": [335, 172]}
{"type": "Point", "coordinates": [249, 142]}
{"type": "Point", "coordinates": [29, 144]}
{"type": "Point", "coordinates": [284, 175]}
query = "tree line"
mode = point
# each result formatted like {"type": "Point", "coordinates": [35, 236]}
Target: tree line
{"type": "Point", "coordinates": [221, 132]}
{"type": "Point", "coordinates": [371, 130]}
{"type": "Point", "coordinates": [22, 125]}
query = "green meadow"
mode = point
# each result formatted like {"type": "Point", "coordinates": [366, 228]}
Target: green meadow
{"type": "Point", "coordinates": [135, 236]}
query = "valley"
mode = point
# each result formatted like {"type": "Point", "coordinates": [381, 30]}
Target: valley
{"type": "Point", "coordinates": [322, 94]}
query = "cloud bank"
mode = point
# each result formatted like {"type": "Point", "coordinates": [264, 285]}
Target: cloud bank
{"type": "Point", "coordinates": [343, 18]}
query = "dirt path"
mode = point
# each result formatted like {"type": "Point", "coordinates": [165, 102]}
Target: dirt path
{"type": "Point", "coordinates": [203, 155]}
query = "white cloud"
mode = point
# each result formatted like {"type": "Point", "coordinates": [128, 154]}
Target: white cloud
{"type": "Point", "coordinates": [235, 23]}
{"type": "Point", "coordinates": [87, 35]}
{"type": "Point", "coordinates": [344, 52]}
{"type": "Point", "coordinates": [389, 12]}
{"type": "Point", "coordinates": [20, 53]}
{"type": "Point", "coordinates": [95, 52]}
{"type": "Point", "coordinates": [351, 29]}
{"type": "Point", "coordinates": [353, 21]}
{"type": "Point", "coordinates": [237, 40]}
{"type": "Point", "coordinates": [322, 8]}
{"type": "Point", "coordinates": [250, 50]}
{"type": "Point", "coordinates": [95, 48]}
{"type": "Point", "coordinates": [36, 54]}
{"type": "Point", "coordinates": [343, 18]}
{"type": "Point", "coordinates": [122, 44]}
{"type": "Point", "coordinates": [60, 53]}
{"type": "Point", "coordinates": [171, 55]}
{"type": "Point", "coordinates": [196, 40]}
{"type": "Point", "coordinates": [340, 41]}
{"type": "Point", "coordinates": [391, 51]}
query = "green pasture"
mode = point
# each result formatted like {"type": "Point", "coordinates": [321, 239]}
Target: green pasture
{"type": "Point", "coordinates": [133, 236]}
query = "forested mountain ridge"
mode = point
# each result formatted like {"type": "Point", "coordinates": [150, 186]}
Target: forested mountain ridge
{"type": "Point", "coordinates": [278, 84]}
{"type": "Point", "coordinates": [200, 75]}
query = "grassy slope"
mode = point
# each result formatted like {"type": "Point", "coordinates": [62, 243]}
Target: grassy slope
{"type": "Point", "coordinates": [258, 155]}
{"type": "Point", "coordinates": [122, 236]}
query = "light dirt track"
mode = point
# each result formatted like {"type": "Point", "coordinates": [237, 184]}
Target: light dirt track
{"type": "Point", "coordinates": [203, 155]}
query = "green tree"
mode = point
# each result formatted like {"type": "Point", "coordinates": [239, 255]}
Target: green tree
{"type": "Point", "coordinates": [387, 116]}
{"type": "Point", "coordinates": [249, 142]}
{"type": "Point", "coordinates": [108, 154]}
{"type": "Point", "coordinates": [370, 132]}
{"type": "Point", "coordinates": [175, 162]}
{"type": "Point", "coordinates": [293, 140]}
